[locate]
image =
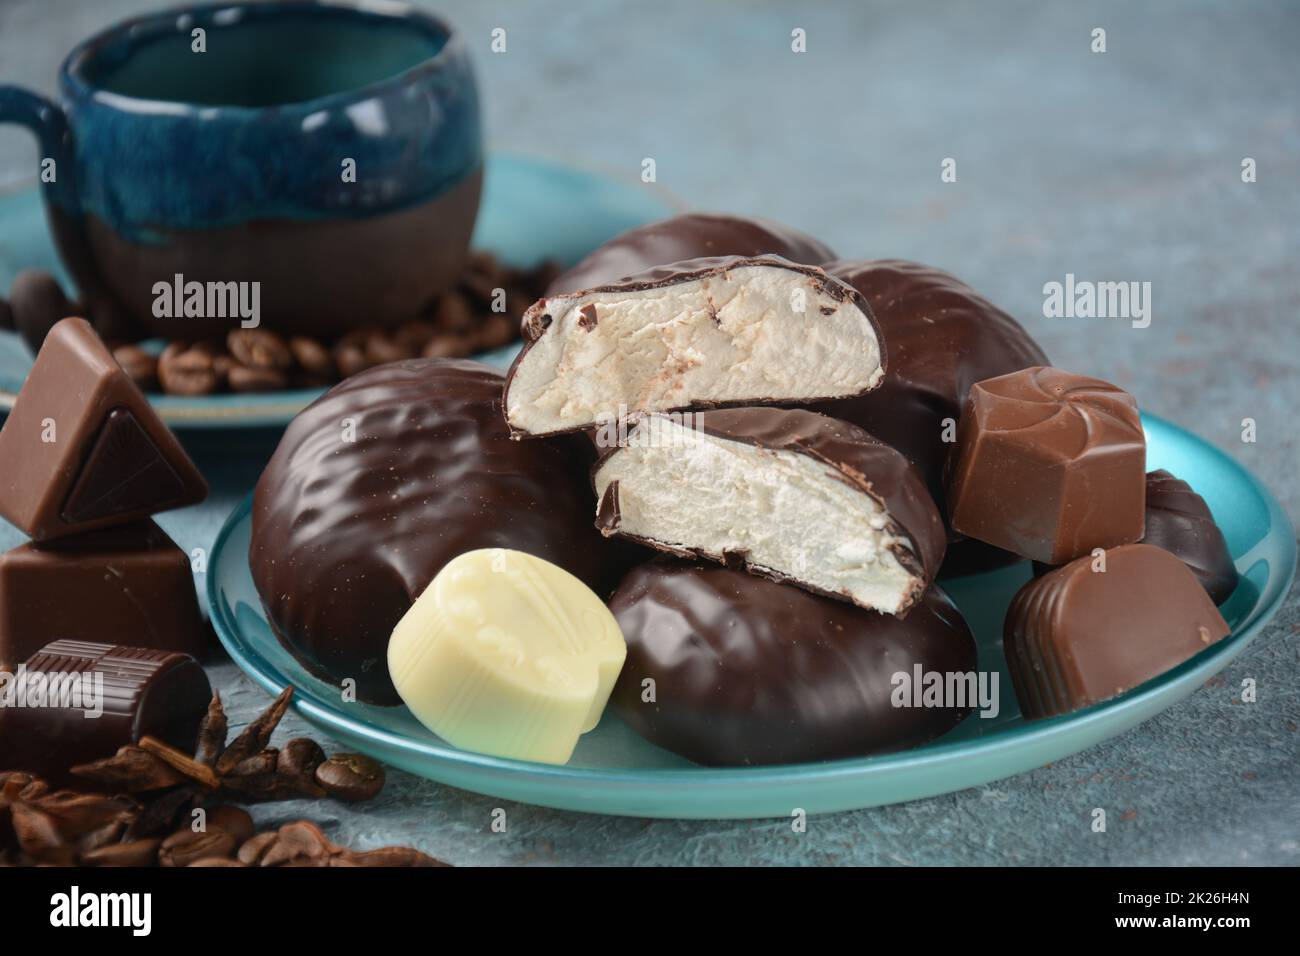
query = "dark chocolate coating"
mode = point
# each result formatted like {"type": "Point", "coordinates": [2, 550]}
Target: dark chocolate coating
{"type": "Point", "coordinates": [692, 236]}
{"type": "Point", "coordinates": [1077, 636]}
{"type": "Point", "coordinates": [346, 535]}
{"type": "Point", "coordinates": [749, 671]}
{"type": "Point", "coordinates": [941, 337]}
{"type": "Point", "coordinates": [146, 692]}
{"type": "Point", "coordinates": [861, 462]}
{"type": "Point", "coordinates": [1179, 520]}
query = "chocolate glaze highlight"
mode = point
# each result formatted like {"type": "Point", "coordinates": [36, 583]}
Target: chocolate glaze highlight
{"type": "Point", "coordinates": [346, 534]}
{"type": "Point", "coordinates": [749, 672]}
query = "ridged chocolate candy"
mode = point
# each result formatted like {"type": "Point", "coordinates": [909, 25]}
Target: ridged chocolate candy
{"type": "Point", "coordinates": [97, 698]}
{"type": "Point", "coordinates": [348, 533]}
{"type": "Point", "coordinates": [1079, 635]}
{"type": "Point", "coordinates": [749, 671]}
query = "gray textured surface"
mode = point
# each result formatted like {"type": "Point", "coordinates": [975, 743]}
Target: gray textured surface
{"type": "Point", "coordinates": [1123, 165]}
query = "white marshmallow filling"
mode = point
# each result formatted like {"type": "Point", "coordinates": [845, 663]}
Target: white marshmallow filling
{"type": "Point", "coordinates": [753, 333]}
{"type": "Point", "coordinates": [785, 512]}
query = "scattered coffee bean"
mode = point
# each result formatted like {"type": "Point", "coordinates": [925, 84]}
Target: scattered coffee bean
{"type": "Point", "coordinates": [187, 845]}
{"type": "Point", "coordinates": [234, 820]}
{"type": "Point", "coordinates": [350, 777]}
{"type": "Point", "coordinates": [139, 364]}
{"type": "Point", "coordinates": [259, 349]}
{"type": "Point", "coordinates": [312, 357]}
{"type": "Point", "coordinates": [136, 853]}
{"type": "Point", "coordinates": [191, 372]}
{"type": "Point", "coordinates": [244, 378]}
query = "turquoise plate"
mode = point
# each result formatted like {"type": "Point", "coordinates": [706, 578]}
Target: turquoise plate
{"type": "Point", "coordinates": [616, 771]}
{"type": "Point", "coordinates": [533, 209]}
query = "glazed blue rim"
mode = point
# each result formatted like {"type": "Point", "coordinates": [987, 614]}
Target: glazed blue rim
{"type": "Point", "coordinates": [1013, 737]}
{"type": "Point", "coordinates": [165, 23]}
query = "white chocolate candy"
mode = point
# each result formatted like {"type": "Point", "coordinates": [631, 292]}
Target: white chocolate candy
{"type": "Point", "coordinates": [507, 654]}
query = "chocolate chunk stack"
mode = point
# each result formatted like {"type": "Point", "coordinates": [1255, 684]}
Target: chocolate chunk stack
{"type": "Point", "coordinates": [87, 462]}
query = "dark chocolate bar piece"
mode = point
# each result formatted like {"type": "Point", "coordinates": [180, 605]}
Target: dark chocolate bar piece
{"type": "Point", "coordinates": [1048, 465]}
{"type": "Point", "coordinates": [702, 333]}
{"type": "Point", "coordinates": [78, 701]}
{"type": "Point", "coordinates": [1079, 635]}
{"type": "Point", "coordinates": [130, 585]}
{"type": "Point", "coordinates": [942, 337]}
{"type": "Point", "coordinates": [785, 493]}
{"type": "Point", "coordinates": [82, 448]}
{"type": "Point", "coordinates": [729, 669]}
{"type": "Point", "coordinates": [696, 235]}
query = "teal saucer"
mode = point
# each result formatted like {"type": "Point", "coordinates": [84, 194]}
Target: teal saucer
{"type": "Point", "coordinates": [615, 771]}
{"type": "Point", "coordinates": [533, 209]}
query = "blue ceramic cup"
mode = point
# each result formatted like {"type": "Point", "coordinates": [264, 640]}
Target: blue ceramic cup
{"type": "Point", "coordinates": [331, 153]}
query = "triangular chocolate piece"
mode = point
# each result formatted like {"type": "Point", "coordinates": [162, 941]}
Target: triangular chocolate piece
{"type": "Point", "coordinates": [124, 472]}
{"type": "Point", "coordinates": [83, 448]}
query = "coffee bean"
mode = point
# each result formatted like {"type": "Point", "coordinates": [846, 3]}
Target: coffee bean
{"type": "Point", "coordinates": [136, 853]}
{"type": "Point", "coordinates": [496, 331]}
{"type": "Point", "coordinates": [300, 756]}
{"type": "Point", "coordinates": [351, 358]}
{"type": "Point", "coordinates": [191, 372]}
{"type": "Point", "coordinates": [139, 365]}
{"type": "Point", "coordinates": [312, 357]}
{"type": "Point", "coordinates": [448, 346]}
{"type": "Point", "coordinates": [185, 846]}
{"type": "Point", "coordinates": [243, 378]}
{"type": "Point", "coordinates": [454, 314]}
{"type": "Point", "coordinates": [38, 302]}
{"type": "Point", "coordinates": [415, 334]}
{"type": "Point", "coordinates": [234, 820]}
{"type": "Point", "coordinates": [350, 777]}
{"type": "Point", "coordinates": [217, 861]}
{"type": "Point", "coordinates": [259, 348]}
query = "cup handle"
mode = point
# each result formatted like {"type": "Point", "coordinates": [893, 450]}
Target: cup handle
{"type": "Point", "coordinates": [49, 124]}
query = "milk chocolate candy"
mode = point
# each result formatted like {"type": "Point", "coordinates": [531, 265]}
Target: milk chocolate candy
{"type": "Point", "coordinates": [82, 448]}
{"type": "Point", "coordinates": [1179, 520]}
{"type": "Point", "coordinates": [381, 482]}
{"type": "Point", "coordinates": [941, 337]}
{"type": "Point", "coordinates": [789, 494]}
{"type": "Point", "coordinates": [725, 668]}
{"type": "Point", "coordinates": [692, 236]}
{"type": "Point", "coordinates": [129, 585]}
{"type": "Point", "coordinates": [701, 333]}
{"type": "Point", "coordinates": [1076, 636]}
{"type": "Point", "coordinates": [1048, 465]}
{"type": "Point", "coordinates": [78, 701]}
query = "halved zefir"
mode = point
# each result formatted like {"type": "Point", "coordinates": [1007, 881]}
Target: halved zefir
{"type": "Point", "coordinates": [787, 494]}
{"type": "Point", "coordinates": [702, 333]}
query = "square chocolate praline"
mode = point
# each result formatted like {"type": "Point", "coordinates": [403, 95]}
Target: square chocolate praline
{"type": "Point", "coordinates": [1049, 465]}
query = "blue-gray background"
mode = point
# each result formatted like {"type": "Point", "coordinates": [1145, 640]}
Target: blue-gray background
{"type": "Point", "coordinates": [1117, 166]}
